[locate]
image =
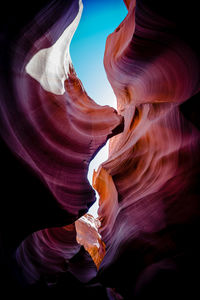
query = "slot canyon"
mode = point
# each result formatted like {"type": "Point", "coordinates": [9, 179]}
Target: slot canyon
{"type": "Point", "coordinates": [144, 240]}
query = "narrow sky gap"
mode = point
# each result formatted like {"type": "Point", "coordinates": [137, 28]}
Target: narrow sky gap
{"type": "Point", "coordinates": [99, 19]}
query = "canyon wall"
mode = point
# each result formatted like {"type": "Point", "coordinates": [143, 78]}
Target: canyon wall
{"type": "Point", "coordinates": [144, 242]}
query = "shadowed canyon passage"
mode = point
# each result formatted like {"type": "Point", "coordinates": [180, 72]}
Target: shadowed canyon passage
{"type": "Point", "coordinates": [148, 187]}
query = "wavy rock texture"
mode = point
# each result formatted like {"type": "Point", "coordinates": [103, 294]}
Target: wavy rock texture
{"type": "Point", "coordinates": [48, 253]}
{"type": "Point", "coordinates": [149, 186]}
{"type": "Point", "coordinates": [149, 195]}
{"type": "Point", "coordinates": [52, 125]}
{"type": "Point", "coordinates": [55, 132]}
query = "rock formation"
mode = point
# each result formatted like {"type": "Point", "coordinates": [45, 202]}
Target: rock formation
{"type": "Point", "coordinates": [144, 242]}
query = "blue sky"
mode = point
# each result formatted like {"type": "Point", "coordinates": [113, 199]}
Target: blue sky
{"type": "Point", "coordinates": [99, 19]}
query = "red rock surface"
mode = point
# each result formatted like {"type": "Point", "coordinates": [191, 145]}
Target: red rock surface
{"type": "Point", "coordinates": [149, 187]}
{"type": "Point", "coordinates": [88, 236]}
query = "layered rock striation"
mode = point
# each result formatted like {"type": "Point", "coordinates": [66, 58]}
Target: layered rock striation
{"type": "Point", "coordinates": [144, 242]}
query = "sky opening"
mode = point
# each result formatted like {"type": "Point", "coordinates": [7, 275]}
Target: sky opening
{"type": "Point", "coordinates": [99, 19]}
